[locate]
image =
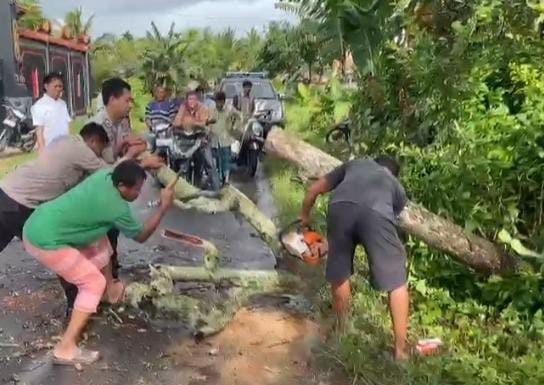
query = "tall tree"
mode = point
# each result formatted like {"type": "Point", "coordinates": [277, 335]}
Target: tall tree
{"type": "Point", "coordinates": [75, 20]}
{"type": "Point", "coordinates": [163, 60]}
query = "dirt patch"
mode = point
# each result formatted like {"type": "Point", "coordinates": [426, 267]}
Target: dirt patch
{"type": "Point", "coordinates": [268, 347]}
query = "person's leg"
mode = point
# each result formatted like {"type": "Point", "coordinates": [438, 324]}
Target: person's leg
{"type": "Point", "coordinates": [12, 219]}
{"type": "Point", "coordinates": [399, 305]}
{"type": "Point", "coordinates": [99, 255]}
{"type": "Point", "coordinates": [70, 290]}
{"type": "Point", "coordinates": [208, 165]}
{"type": "Point", "coordinates": [76, 268]}
{"type": "Point", "coordinates": [113, 238]}
{"type": "Point", "coordinates": [341, 218]}
{"type": "Point", "coordinates": [226, 158]}
{"type": "Point", "coordinates": [341, 300]}
{"type": "Point", "coordinates": [387, 262]}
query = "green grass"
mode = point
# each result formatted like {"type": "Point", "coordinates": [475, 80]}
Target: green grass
{"type": "Point", "coordinates": [484, 344]}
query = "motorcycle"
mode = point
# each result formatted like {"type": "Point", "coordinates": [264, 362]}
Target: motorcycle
{"type": "Point", "coordinates": [17, 130]}
{"type": "Point", "coordinates": [184, 146]}
{"type": "Point", "coordinates": [161, 140]}
{"type": "Point", "coordinates": [341, 132]}
{"type": "Point", "coordinates": [252, 141]}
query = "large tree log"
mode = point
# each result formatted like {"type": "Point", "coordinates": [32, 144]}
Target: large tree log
{"type": "Point", "coordinates": [229, 199]}
{"type": "Point", "coordinates": [437, 232]}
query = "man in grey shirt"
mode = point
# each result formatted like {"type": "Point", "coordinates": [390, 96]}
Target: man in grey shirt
{"type": "Point", "coordinates": [366, 199]}
{"type": "Point", "coordinates": [57, 169]}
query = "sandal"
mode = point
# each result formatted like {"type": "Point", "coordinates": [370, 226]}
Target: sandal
{"type": "Point", "coordinates": [82, 357]}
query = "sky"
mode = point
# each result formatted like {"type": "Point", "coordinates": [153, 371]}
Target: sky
{"type": "Point", "coordinates": [118, 16]}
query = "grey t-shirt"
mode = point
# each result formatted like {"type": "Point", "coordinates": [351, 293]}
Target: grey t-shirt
{"type": "Point", "coordinates": [368, 185]}
{"type": "Point", "coordinates": [59, 167]}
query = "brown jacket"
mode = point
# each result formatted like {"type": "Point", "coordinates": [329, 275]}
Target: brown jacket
{"type": "Point", "coordinates": [186, 117]}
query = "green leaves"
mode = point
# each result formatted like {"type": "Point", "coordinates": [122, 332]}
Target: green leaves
{"type": "Point", "coordinates": [516, 245]}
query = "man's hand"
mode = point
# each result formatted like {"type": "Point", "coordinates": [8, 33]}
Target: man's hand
{"type": "Point", "coordinates": [134, 151]}
{"type": "Point", "coordinates": [134, 140]}
{"type": "Point", "coordinates": [152, 162]}
{"type": "Point", "coordinates": [304, 219]}
{"type": "Point", "coordinates": [167, 197]}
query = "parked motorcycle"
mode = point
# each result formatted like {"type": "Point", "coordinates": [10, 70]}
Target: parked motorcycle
{"type": "Point", "coordinates": [252, 141]}
{"type": "Point", "coordinates": [17, 130]}
{"type": "Point", "coordinates": [161, 140]}
{"type": "Point", "coordinates": [184, 146]}
{"type": "Point", "coordinates": [341, 132]}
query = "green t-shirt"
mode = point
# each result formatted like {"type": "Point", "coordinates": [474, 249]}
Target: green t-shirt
{"type": "Point", "coordinates": [82, 215]}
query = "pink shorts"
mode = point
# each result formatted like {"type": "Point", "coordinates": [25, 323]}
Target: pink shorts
{"type": "Point", "coordinates": [80, 267]}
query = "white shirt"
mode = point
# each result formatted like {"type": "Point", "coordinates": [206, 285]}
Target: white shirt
{"type": "Point", "coordinates": [53, 116]}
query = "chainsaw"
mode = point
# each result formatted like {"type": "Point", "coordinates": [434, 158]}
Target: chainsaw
{"type": "Point", "coordinates": [304, 243]}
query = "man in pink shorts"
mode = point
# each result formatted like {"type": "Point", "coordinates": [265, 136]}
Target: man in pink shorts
{"type": "Point", "coordinates": [68, 235]}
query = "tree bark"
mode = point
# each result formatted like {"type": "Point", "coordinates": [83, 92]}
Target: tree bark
{"type": "Point", "coordinates": [437, 232]}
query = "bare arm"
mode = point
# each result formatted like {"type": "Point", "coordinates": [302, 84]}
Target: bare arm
{"type": "Point", "coordinates": [40, 138]}
{"type": "Point", "coordinates": [323, 185]}
{"type": "Point", "coordinates": [151, 224]}
{"type": "Point", "coordinates": [178, 122]}
{"type": "Point", "coordinates": [320, 186]}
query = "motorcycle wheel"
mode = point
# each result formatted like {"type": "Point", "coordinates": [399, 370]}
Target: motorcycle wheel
{"type": "Point", "coordinates": [335, 135]}
{"type": "Point", "coordinates": [3, 140]}
{"type": "Point", "coordinates": [252, 163]}
{"type": "Point", "coordinates": [29, 145]}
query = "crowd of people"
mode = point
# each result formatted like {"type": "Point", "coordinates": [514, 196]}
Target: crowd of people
{"type": "Point", "coordinates": [220, 121]}
{"type": "Point", "coordinates": [71, 202]}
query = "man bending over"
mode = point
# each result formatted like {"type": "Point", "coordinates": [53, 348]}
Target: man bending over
{"type": "Point", "coordinates": [69, 236]}
{"type": "Point", "coordinates": [366, 199]}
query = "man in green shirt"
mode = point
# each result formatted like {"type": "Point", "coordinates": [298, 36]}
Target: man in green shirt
{"type": "Point", "coordinates": [68, 235]}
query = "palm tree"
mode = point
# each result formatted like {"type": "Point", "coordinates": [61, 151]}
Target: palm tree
{"type": "Point", "coordinates": [74, 20]}
{"type": "Point", "coordinates": [354, 26]}
{"type": "Point", "coordinates": [33, 17]}
{"type": "Point", "coordinates": [163, 58]}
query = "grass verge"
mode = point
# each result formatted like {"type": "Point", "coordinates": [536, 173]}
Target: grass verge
{"type": "Point", "coordinates": [484, 344]}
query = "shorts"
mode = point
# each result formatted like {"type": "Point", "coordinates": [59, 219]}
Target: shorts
{"type": "Point", "coordinates": [348, 225]}
{"type": "Point", "coordinates": [12, 219]}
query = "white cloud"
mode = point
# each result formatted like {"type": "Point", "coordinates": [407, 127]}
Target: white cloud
{"type": "Point", "coordinates": [136, 15]}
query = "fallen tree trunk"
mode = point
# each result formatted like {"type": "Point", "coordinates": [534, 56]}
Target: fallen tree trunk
{"type": "Point", "coordinates": [437, 232]}
{"type": "Point", "coordinates": [230, 199]}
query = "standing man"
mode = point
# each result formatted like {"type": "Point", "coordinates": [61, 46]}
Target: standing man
{"type": "Point", "coordinates": [50, 114]}
{"type": "Point", "coordinates": [245, 103]}
{"type": "Point", "coordinates": [203, 98]}
{"type": "Point", "coordinates": [366, 199]}
{"type": "Point", "coordinates": [224, 120]}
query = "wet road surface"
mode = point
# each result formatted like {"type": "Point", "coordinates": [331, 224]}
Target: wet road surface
{"type": "Point", "coordinates": [133, 348]}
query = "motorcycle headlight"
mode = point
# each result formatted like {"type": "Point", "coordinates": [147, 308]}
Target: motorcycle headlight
{"type": "Point", "coordinates": [257, 129]}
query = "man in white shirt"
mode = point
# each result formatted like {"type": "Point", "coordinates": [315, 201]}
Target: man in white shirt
{"type": "Point", "coordinates": [50, 113]}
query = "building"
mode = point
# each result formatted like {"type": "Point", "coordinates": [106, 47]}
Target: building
{"type": "Point", "coordinates": [30, 55]}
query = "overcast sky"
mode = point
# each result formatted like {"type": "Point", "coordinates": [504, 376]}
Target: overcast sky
{"type": "Point", "coordinates": [118, 16]}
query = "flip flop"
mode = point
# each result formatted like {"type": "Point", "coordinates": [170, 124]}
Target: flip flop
{"type": "Point", "coordinates": [82, 357]}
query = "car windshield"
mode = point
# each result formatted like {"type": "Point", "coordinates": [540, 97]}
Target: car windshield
{"type": "Point", "coordinates": [260, 89]}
